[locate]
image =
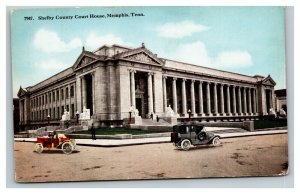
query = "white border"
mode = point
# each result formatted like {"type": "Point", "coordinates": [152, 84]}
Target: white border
{"type": "Point", "coordinates": [73, 3]}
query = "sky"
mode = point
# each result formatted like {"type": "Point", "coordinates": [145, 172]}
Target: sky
{"type": "Point", "coordinates": [245, 40]}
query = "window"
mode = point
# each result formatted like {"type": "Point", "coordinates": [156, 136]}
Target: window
{"type": "Point", "coordinates": [53, 113]}
{"type": "Point", "coordinates": [62, 94]}
{"type": "Point", "coordinates": [72, 110]}
{"type": "Point", "coordinates": [49, 97]}
{"type": "Point", "coordinates": [57, 112]}
{"type": "Point", "coordinates": [57, 95]}
{"type": "Point", "coordinates": [62, 110]}
{"type": "Point", "coordinates": [53, 96]}
{"type": "Point", "coordinates": [67, 93]}
{"type": "Point", "coordinates": [72, 91]}
{"type": "Point", "coordinates": [46, 99]}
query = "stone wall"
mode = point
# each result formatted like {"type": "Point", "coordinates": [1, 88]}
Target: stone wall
{"type": "Point", "coordinates": [124, 94]}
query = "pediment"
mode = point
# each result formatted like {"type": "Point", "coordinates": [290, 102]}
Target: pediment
{"type": "Point", "coordinates": [141, 55]}
{"type": "Point", "coordinates": [268, 81]}
{"type": "Point", "coordinates": [21, 92]}
{"type": "Point", "coordinates": [84, 59]}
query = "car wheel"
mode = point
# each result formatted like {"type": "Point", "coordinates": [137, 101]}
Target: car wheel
{"type": "Point", "coordinates": [216, 141]}
{"type": "Point", "coordinates": [186, 144]}
{"type": "Point", "coordinates": [38, 147]}
{"type": "Point", "coordinates": [67, 148]}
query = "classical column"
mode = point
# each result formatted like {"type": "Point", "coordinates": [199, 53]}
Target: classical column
{"type": "Point", "coordinates": [193, 98]}
{"type": "Point", "coordinates": [254, 101]}
{"type": "Point", "coordinates": [132, 88]}
{"type": "Point", "coordinates": [75, 99]}
{"type": "Point", "coordinates": [271, 99]}
{"type": "Point", "coordinates": [234, 100]}
{"type": "Point", "coordinates": [150, 94]}
{"type": "Point", "coordinates": [183, 92]}
{"type": "Point", "coordinates": [201, 99]}
{"type": "Point", "coordinates": [208, 98]}
{"type": "Point", "coordinates": [60, 104]}
{"type": "Point", "coordinates": [222, 98]}
{"type": "Point", "coordinates": [93, 92]}
{"type": "Point", "coordinates": [228, 100]}
{"type": "Point", "coordinates": [83, 92]}
{"type": "Point", "coordinates": [174, 94]}
{"type": "Point", "coordinates": [249, 101]}
{"type": "Point", "coordinates": [165, 92]}
{"type": "Point", "coordinates": [245, 102]}
{"type": "Point", "coordinates": [215, 100]}
{"type": "Point", "coordinates": [239, 100]}
{"type": "Point", "coordinates": [70, 106]}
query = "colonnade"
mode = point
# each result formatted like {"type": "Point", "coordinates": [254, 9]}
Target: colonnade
{"type": "Point", "coordinates": [244, 103]}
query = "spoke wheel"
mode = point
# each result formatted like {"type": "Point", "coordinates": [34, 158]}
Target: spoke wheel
{"type": "Point", "coordinates": [186, 144]}
{"type": "Point", "coordinates": [38, 147]}
{"type": "Point", "coordinates": [216, 141]}
{"type": "Point", "coordinates": [67, 148]}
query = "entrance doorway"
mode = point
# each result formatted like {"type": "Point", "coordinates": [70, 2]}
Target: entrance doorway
{"type": "Point", "coordinates": [89, 93]}
{"type": "Point", "coordinates": [268, 101]}
{"type": "Point", "coordinates": [141, 94]}
{"type": "Point", "coordinates": [138, 104]}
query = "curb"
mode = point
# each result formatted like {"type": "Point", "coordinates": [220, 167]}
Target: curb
{"type": "Point", "coordinates": [154, 140]}
{"type": "Point", "coordinates": [120, 136]}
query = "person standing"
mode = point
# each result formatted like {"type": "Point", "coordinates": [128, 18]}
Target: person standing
{"type": "Point", "coordinates": [93, 130]}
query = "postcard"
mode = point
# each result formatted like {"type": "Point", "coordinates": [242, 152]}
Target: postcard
{"type": "Point", "coordinates": [138, 93]}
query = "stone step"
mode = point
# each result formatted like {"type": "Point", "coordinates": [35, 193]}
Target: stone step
{"type": "Point", "coordinates": [154, 122]}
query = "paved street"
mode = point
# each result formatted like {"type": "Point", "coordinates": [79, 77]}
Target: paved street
{"type": "Point", "coordinates": [243, 156]}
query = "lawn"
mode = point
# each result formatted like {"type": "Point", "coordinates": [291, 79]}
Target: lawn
{"type": "Point", "coordinates": [115, 131]}
{"type": "Point", "coordinates": [261, 124]}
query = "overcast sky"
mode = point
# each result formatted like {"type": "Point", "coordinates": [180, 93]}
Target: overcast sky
{"type": "Point", "coordinates": [246, 40]}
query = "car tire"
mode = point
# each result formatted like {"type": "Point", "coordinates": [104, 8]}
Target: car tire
{"type": "Point", "coordinates": [38, 147]}
{"type": "Point", "coordinates": [216, 141]}
{"type": "Point", "coordinates": [186, 144]}
{"type": "Point", "coordinates": [67, 148]}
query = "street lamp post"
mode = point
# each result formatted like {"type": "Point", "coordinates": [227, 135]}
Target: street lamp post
{"type": "Point", "coordinates": [48, 119]}
{"type": "Point", "coordinates": [77, 117]}
{"type": "Point", "coordinates": [189, 111]}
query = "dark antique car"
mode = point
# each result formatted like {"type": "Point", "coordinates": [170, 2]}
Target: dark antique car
{"type": "Point", "coordinates": [188, 134]}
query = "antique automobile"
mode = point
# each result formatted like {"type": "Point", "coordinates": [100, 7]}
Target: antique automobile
{"type": "Point", "coordinates": [55, 142]}
{"type": "Point", "coordinates": [187, 134]}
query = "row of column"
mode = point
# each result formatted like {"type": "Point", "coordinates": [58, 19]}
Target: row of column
{"type": "Point", "coordinates": [251, 93]}
{"type": "Point", "coordinates": [42, 111]}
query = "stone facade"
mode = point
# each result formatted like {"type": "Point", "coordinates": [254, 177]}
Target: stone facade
{"type": "Point", "coordinates": [111, 80]}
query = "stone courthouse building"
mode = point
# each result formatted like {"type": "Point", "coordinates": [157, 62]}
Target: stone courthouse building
{"type": "Point", "coordinates": [112, 79]}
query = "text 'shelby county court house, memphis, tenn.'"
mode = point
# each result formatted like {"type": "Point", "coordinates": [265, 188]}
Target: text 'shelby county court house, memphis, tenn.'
{"type": "Point", "coordinates": [112, 79]}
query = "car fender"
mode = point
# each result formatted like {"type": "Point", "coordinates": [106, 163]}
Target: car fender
{"type": "Point", "coordinates": [211, 138]}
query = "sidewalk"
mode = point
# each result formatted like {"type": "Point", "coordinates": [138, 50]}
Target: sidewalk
{"type": "Point", "coordinates": [163, 137]}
